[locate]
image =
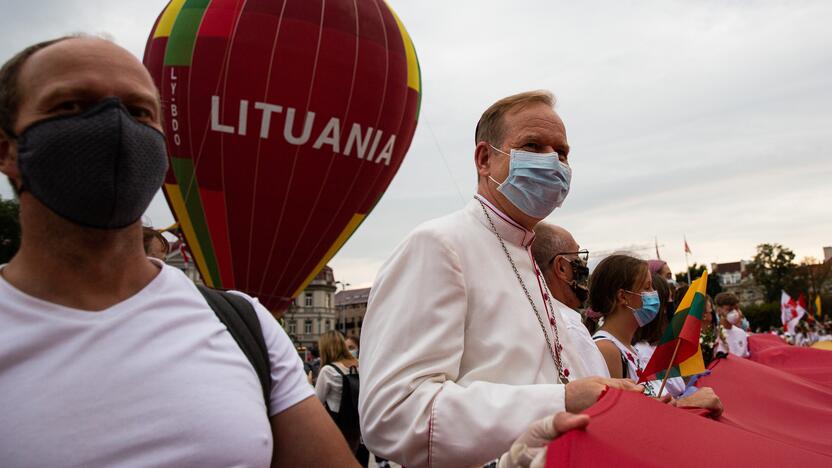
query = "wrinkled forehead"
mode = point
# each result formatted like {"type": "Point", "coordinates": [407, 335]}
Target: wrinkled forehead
{"type": "Point", "coordinates": [535, 118]}
{"type": "Point", "coordinates": [94, 66]}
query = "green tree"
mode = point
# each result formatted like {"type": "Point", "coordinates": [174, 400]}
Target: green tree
{"type": "Point", "coordinates": [696, 271]}
{"type": "Point", "coordinates": [763, 316]}
{"type": "Point", "coordinates": [811, 276]}
{"type": "Point", "coordinates": [9, 229]}
{"type": "Point", "coordinates": [774, 270]}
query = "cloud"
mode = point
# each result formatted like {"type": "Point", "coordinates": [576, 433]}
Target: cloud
{"type": "Point", "coordinates": [707, 119]}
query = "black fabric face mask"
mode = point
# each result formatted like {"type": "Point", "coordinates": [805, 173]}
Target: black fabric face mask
{"type": "Point", "coordinates": [99, 169]}
{"type": "Point", "coordinates": [580, 277]}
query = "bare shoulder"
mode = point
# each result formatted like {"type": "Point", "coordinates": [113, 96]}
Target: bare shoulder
{"type": "Point", "coordinates": [612, 356]}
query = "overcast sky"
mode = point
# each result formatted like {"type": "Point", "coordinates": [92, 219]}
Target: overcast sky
{"type": "Point", "coordinates": [710, 119]}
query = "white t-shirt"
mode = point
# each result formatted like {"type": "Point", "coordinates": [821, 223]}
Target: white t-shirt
{"type": "Point", "coordinates": [153, 381]}
{"type": "Point", "coordinates": [737, 342]}
{"type": "Point", "coordinates": [329, 385]}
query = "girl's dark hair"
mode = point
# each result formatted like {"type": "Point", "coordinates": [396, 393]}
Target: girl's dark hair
{"type": "Point", "coordinates": [680, 294]}
{"type": "Point", "coordinates": [613, 273]}
{"type": "Point", "coordinates": [652, 332]}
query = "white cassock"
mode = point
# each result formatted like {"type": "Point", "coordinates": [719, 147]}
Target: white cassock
{"type": "Point", "coordinates": [454, 363]}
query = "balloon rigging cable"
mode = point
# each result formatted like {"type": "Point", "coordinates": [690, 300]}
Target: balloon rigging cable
{"type": "Point", "coordinates": [444, 160]}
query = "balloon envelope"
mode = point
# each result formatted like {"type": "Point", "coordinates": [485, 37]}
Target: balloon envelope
{"type": "Point", "coordinates": [286, 120]}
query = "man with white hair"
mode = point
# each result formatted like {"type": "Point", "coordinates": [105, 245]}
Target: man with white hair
{"type": "Point", "coordinates": [563, 265]}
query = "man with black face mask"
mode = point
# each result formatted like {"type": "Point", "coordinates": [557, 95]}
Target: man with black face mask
{"type": "Point", "coordinates": [563, 265]}
{"type": "Point", "coordinates": [108, 357]}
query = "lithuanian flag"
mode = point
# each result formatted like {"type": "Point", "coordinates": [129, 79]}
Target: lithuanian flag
{"type": "Point", "coordinates": [679, 347]}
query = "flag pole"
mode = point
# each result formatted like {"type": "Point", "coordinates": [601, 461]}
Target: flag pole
{"type": "Point", "coordinates": [656, 240]}
{"type": "Point", "coordinates": [687, 263]}
{"type": "Point", "coordinates": [667, 371]}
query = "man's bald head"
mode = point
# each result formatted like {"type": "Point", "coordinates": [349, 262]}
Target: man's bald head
{"type": "Point", "coordinates": [70, 56]}
{"type": "Point", "coordinates": [9, 83]}
{"type": "Point", "coordinates": [551, 240]}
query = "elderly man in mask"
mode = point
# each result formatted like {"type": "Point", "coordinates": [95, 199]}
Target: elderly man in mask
{"type": "Point", "coordinates": [563, 265]}
{"type": "Point", "coordinates": [463, 346]}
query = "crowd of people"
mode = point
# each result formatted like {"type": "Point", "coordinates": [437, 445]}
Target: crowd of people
{"type": "Point", "coordinates": [485, 335]}
{"type": "Point", "coordinates": [807, 333]}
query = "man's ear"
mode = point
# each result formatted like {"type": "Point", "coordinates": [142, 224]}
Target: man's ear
{"type": "Point", "coordinates": [8, 157]}
{"type": "Point", "coordinates": [482, 159]}
{"type": "Point", "coordinates": [562, 271]}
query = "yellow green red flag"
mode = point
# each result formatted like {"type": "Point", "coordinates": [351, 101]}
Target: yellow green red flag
{"type": "Point", "coordinates": [679, 348]}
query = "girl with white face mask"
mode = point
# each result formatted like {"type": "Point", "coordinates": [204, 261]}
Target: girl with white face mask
{"type": "Point", "coordinates": [621, 292]}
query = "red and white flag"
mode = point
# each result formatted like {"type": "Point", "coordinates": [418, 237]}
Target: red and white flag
{"type": "Point", "coordinates": [687, 247]}
{"type": "Point", "coordinates": [791, 311]}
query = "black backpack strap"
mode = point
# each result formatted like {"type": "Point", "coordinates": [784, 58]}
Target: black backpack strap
{"type": "Point", "coordinates": [625, 368]}
{"type": "Point", "coordinates": [242, 323]}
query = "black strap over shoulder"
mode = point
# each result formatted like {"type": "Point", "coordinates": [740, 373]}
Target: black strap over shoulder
{"type": "Point", "coordinates": [242, 323]}
{"type": "Point", "coordinates": [625, 368]}
{"type": "Point", "coordinates": [352, 369]}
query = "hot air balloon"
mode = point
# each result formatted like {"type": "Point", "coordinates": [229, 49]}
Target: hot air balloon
{"type": "Point", "coordinates": [286, 120]}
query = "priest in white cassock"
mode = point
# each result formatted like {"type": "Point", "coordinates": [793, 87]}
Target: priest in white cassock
{"type": "Point", "coordinates": [463, 346]}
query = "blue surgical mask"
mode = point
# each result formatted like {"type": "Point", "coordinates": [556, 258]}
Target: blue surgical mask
{"type": "Point", "coordinates": [649, 307]}
{"type": "Point", "coordinates": [537, 183]}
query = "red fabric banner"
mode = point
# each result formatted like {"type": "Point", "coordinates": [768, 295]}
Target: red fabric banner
{"type": "Point", "coordinates": [810, 363]}
{"type": "Point", "coordinates": [772, 418]}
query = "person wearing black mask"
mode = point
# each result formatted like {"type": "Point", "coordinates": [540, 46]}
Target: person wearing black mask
{"type": "Point", "coordinates": [563, 265]}
{"type": "Point", "coordinates": [110, 357]}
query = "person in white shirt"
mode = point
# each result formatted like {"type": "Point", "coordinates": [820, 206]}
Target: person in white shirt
{"type": "Point", "coordinates": [337, 365]}
{"type": "Point", "coordinates": [107, 357]}
{"type": "Point", "coordinates": [732, 338]}
{"type": "Point", "coordinates": [334, 353]}
{"type": "Point", "coordinates": [462, 346]}
{"type": "Point", "coordinates": [563, 265]}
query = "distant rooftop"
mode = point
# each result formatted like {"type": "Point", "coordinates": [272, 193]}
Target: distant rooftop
{"type": "Point", "coordinates": [731, 267]}
{"type": "Point", "coordinates": [352, 296]}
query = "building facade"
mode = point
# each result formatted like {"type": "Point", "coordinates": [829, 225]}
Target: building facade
{"type": "Point", "coordinates": [734, 277]}
{"type": "Point", "coordinates": [351, 305]}
{"type": "Point", "coordinates": [313, 311]}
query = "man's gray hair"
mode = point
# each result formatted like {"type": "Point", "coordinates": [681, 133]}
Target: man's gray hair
{"type": "Point", "coordinates": [548, 242]}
